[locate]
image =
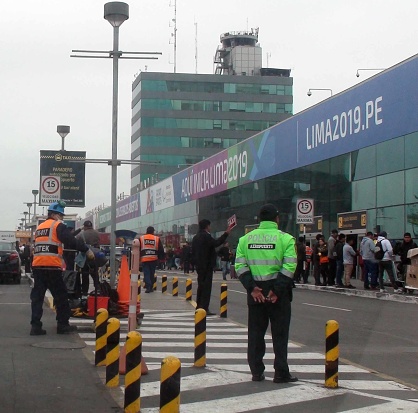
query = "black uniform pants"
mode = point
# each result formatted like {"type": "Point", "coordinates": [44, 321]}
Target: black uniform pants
{"type": "Point", "coordinates": [204, 288]}
{"type": "Point", "coordinates": [49, 280]}
{"type": "Point", "coordinates": [259, 316]}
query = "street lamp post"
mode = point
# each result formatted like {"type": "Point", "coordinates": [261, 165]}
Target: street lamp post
{"type": "Point", "coordinates": [309, 93]}
{"type": "Point", "coordinates": [63, 131]}
{"type": "Point", "coordinates": [25, 219]}
{"type": "Point", "coordinates": [115, 13]}
{"type": "Point", "coordinates": [359, 70]}
{"type": "Point", "coordinates": [35, 193]}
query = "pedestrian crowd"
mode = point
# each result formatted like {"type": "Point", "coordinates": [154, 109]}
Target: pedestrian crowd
{"type": "Point", "coordinates": [335, 261]}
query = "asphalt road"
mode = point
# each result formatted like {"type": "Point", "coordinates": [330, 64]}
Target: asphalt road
{"type": "Point", "coordinates": [377, 334]}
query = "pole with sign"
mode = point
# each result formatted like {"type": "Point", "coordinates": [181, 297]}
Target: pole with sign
{"type": "Point", "coordinates": [304, 211]}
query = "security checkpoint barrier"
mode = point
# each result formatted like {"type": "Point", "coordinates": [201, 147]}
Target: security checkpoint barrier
{"type": "Point", "coordinates": [170, 385]}
{"type": "Point", "coordinates": [200, 338]}
{"type": "Point", "coordinates": [331, 353]}
{"type": "Point", "coordinates": [102, 317]}
{"type": "Point", "coordinates": [224, 301]}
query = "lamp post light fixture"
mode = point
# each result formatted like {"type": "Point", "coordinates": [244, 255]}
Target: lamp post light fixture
{"type": "Point", "coordinates": [25, 219]}
{"type": "Point", "coordinates": [29, 205]}
{"type": "Point", "coordinates": [63, 131]}
{"type": "Point", "coordinates": [35, 192]}
{"type": "Point", "coordinates": [376, 70]}
{"type": "Point", "coordinates": [309, 93]}
{"type": "Point", "coordinates": [115, 13]}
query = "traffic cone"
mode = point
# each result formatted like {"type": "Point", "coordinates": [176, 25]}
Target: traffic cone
{"type": "Point", "coordinates": [124, 286]}
{"type": "Point", "coordinates": [122, 363]}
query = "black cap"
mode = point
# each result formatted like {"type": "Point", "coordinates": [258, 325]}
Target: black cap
{"type": "Point", "coordinates": [383, 234]}
{"type": "Point", "coordinates": [88, 224]}
{"type": "Point", "coordinates": [268, 212]}
{"type": "Point", "coordinates": [150, 230]}
{"type": "Point", "coordinates": [407, 234]}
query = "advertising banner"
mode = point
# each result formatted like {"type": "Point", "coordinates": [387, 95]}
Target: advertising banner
{"type": "Point", "coordinates": [60, 178]}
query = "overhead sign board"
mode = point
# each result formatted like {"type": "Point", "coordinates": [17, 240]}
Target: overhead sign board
{"type": "Point", "coordinates": [356, 220]}
{"type": "Point", "coordinates": [314, 228]}
{"type": "Point", "coordinates": [304, 211]}
{"type": "Point", "coordinates": [62, 178]}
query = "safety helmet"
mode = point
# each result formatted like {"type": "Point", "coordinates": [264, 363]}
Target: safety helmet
{"type": "Point", "coordinates": [57, 207]}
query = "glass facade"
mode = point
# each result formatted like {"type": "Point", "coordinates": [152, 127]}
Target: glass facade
{"type": "Point", "coordinates": [339, 184]}
{"type": "Point", "coordinates": [198, 113]}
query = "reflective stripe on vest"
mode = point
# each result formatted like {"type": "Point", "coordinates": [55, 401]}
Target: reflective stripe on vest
{"type": "Point", "coordinates": [149, 247]}
{"type": "Point", "coordinates": [48, 248]}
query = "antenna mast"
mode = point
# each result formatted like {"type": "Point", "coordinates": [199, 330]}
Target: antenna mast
{"type": "Point", "coordinates": [195, 45]}
{"type": "Point", "coordinates": [174, 33]}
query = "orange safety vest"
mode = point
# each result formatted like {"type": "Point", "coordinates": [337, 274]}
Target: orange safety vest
{"type": "Point", "coordinates": [149, 247]}
{"type": "Point", "coordinates": [48, 248]}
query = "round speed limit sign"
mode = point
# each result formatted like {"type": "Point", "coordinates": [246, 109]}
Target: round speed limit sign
{"type": "Point", "coordinates": [50, 185]}
{"type": "Point", "coordinates": [305, 206]}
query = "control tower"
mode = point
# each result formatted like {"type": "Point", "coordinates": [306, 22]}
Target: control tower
{"type": "Point", "coordinates": [239, 54]}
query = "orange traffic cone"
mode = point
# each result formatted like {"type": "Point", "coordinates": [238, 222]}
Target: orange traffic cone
{"type": "Point", "coordinates": [122, 362]}
{"type": "Point", "coordinates": [124, 287]}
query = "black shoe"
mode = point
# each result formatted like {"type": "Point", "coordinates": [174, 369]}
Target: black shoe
{"type": "Point", "coordinates": [66, 329]}
{"type": "Point", "coordinates": [210, 313]}
{"type": "Point", "coordinates": [37, 331]}
{"type": "Point", "coordinates": [350, 286]}
{"type": "Point", "coordinates": [287, 379]}
{"type": "Point", "coordinates": [147, 291]}
{"type": "Point", "coordinates": [258, 377]}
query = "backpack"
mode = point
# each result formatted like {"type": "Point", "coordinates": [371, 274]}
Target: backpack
{"type": "Point", "coordinates": [379, 252]}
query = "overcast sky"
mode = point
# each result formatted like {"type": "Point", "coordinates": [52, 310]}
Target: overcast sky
{"type": "Point", "coordinates": [323, 42]}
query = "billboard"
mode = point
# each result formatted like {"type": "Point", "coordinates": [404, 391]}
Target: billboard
{"type": "Point", "coordinates": [62, 178]}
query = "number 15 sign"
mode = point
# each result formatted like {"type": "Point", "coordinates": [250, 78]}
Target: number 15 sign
{"type": "Point", "coordinates": [304, 211]}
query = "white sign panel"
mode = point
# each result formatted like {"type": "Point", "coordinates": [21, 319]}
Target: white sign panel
{"type": "Point", "coordinates": [157, 197]}
{"type": "Point", "coordinates": [304, 211]}
{"type": "Point", "coordinates": [50, 189]}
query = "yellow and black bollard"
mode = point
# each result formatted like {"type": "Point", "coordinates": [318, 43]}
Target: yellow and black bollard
{"type": "Point", "coordinates": [133, 348]}
{"type": "Point", "coordinates": [200, 338]}
{"type": "Point", "coordinates": [154, 287]}
{"type": "Point", "coordinates": [175, 286]}
{"type": "Point", "coordinates": [331, 353]}
{"type": "Point", "coordinates": [188, 289]}
{"type": "Point", "coordinates": [164, 284]}
{"type": "Point", "coordinates": [112, 352]}
{"type": "Point", "coordinates": [101, 337]}
{"type": "Point", "coordinates": [224, 301]}
{"type": "Point", "coordinates": [170, 385]}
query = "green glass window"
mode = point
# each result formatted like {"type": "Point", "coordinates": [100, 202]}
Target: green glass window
{"type": "Point", "coordinates": [390, 189]}
{"type": "Point", "coordinates": [364, 163]}
{"type": "Point", "coordinates": [390, 156]}
{"type": "Point", "coordinates": [411, 150]}
{"type": "Point", "coordinates": [364, 194]}
{"type": "Point", "coordinates": [411, 186]}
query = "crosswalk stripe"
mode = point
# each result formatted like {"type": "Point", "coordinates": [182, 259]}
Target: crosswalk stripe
{"type": "Point", "coordinates": [294, 368]}
{"type": "Point", "coordinates": [231, 356]}
{"type": "Point", "coordinates": [367, 385]}
{"type": "Point", "coordinates": [263, 400]}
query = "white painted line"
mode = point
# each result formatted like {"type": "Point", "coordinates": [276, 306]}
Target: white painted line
{"type": "Point", "coordinates": [15, 303]}
{"type": "Point", "coordinates": [199, 381]}
{"type": "Point", "coordinates": [369, 385]}
{"type": "Point", "coordinates": [147, 323]}
{"type": "Point", "coordinates": [238, 292]}
{"type": "Point", "coordinates": [390, 407]}
{"type": "Point", "coordinates": [263, 401]}
{"type": "Point", "coordinates": [156, 344]}
{"type": "Point", "coordinates": [233, 356]}
{"type": "Point", "coordinates": [324, 306]}
{"type": "Point", "coordinates": [147, 336]}
{"type": "Point", "coordinates": [191, 329]}
{"type": "Point", "coordinates": [294, 368]}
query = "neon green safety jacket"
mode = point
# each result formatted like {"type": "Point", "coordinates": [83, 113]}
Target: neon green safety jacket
{"type": "Point", "coordinates": [265, 252]}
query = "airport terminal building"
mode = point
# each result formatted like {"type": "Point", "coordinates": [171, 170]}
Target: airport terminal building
{"type": "Point", "coordinates": [354, 154]}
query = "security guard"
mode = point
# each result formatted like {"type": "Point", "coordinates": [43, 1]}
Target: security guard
{"type": "Point", "coordinates": [47, 269]}
{"type": "Point", "coordinates": [265, 263]}
{"type": "Point", "coordinates": [151, 250]}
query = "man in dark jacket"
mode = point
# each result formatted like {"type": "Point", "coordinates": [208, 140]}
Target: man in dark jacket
{"type": "Point", "coordinates": [204, 259]}
{"type": "Point", "coordinates": [402, 249]}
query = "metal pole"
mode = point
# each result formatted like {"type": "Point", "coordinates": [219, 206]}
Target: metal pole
{"type": "Point", "coordinates": [114, 157]}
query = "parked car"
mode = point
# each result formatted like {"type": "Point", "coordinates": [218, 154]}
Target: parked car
{"type": "Point", "coordinates": [9, 262]}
